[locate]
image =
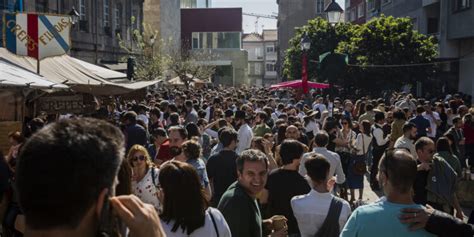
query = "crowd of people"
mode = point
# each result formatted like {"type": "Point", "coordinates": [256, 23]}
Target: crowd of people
{"type": "Point", "coordinates": [245, 163]}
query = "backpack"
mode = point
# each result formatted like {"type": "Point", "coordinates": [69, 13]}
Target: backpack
{"type": "Point", "coordinates": [330, 227]}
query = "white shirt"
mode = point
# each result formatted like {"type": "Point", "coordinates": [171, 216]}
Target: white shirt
{"type": "Point", "coordinates": [362, 146]}
{"type": "Point", "coordinates": [312, 127]}
{"type": "Point", "coordinates": [311, 210]}
{"type": "Point", "coordinates": [275, 115]}
{"type": "Point", "coordinates": [334, 161]}
{"type": "Point", "coordinates": [403, 142]}
{"type": "Point", "coordinates": [321, 107]}
{"type": "Point", "coordinates": [432, 120]}
{"type": "Point", "coordinates": [143, 117]}
{"type": "Point", "coordinates": [378, 134]}
{"type": "Point", "coordinates": [211, 133]}
{"type": "Point", "coordinates": [146, 190]}
{"type": "Point", "coordinates": [245, 136]}
{"type": "Point", "coordinates": [208, 230]}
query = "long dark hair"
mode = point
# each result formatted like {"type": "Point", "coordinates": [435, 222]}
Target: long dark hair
{"type": "Point", "coordinates": [184, 199]}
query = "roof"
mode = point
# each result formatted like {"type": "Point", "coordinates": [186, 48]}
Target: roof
{"type": "Point", "coordinates": [252, 37]}
{"type": "Point", "coordinates": [79, 75]}
{"type": "Point", "coordinates": [270, 35]}
{"type": "Point", "coordinates": [12, 75]}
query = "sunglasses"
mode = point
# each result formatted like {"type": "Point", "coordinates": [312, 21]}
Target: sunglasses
{"type": "Point", "coordinates": [344, 123]}
{"type": "Point", "coordinates": [136, 158]}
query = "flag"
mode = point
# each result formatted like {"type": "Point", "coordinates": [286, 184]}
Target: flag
{"type": "Point", "coordinates": [36, 35]}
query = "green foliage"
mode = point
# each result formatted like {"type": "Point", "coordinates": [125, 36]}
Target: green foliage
{"type": "Point", "coordinates": [381, 41]}
{"type": "Point", "coordinates": [146, 48]}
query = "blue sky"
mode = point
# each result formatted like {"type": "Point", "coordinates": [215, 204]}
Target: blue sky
{"type": "Point", "coordinates": [266, 7]}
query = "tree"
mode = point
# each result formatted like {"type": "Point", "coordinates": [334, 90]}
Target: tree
{"type": "Point", "coordinates": [389, 41]}
{"type": "Point", "coordinates": [146, 49]}
{"type": "Point", "coordinates": [324, 38]}
{"type": "Point", "coordinates": [191, 64]}
{"type": "Point", "coordinates": [381, 41]}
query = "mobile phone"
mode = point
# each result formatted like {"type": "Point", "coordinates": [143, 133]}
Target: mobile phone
{"type": "Point", "coordinates": [108, 223]}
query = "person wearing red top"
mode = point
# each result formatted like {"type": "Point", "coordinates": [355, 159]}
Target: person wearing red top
{"type": "Point", "coordinates": [160, 150]}
{"type": "Point", "coordinates": [468, 131]}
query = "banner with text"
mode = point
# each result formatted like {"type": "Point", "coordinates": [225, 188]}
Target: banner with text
{"type": "Point", "coordinates": [36, 35]}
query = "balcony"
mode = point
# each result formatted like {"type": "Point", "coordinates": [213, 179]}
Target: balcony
{"type": "Point", "coordinates": [429, 2]}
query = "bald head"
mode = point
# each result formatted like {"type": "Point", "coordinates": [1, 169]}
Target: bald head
{"type": "Point", "coordinates": [292, 132]}
{"type": "Point", "coordinates": [399, 167]}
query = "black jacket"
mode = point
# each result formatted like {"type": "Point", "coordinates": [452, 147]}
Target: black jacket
{"type": "Point", "coordinates": [442, 224]}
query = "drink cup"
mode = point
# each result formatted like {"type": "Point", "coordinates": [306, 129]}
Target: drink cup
{"type": "Point", "coordinates": [279, 222]}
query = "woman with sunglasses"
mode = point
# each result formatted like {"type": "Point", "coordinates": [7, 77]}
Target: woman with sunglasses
{"type": "Point", "coordinates": [144, 175]}
{"type": "Point", "coordinates": [186, 211]}
{"type": "Point", "coordinates": [346, 134]}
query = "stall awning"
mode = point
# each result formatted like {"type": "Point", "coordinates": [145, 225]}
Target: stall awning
{"type": "Point", "coordinates": [78, 75]}
{"type": "Point", "coordinates": [299, 84]}
{"type": "Point", "coordinates": [14, 76]}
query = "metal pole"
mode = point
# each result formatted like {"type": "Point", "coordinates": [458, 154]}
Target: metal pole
{"type": "Point", "coordinates": [38, 66]}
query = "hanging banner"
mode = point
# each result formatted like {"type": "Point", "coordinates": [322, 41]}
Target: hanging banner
{"type": "Point", "coordinates": [36, 35]}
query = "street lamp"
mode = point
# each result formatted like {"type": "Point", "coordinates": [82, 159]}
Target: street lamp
{"type": "Point", "coordinates": [333, 11]}
{"type": "Point", "coordinates": [74, 15]}
{"type": "Point", "coordinates": [305, 44]}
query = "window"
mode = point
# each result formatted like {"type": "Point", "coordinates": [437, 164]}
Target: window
{"type": "Point", "coordinates": [433, 25]}
{"type": "Point", "coordinates": [136, 24]}
{"type": "Point", "coordinates": [118, 16]}
{"type": "Point", "coordinates": [348, 4]}
{"type": "Point", "coordinates": [106, 13]}
{"type": "Point", "coordinates": [270, 67]}
{"type": "Point", "coordinates": [188, 3]}
{"type": "Point", "coordinates": [353, 14]}
{"type": "Point", "coordinates": [258, 69]}
{"type": "Point", "coordinates": [319, 6]}
{"type": "Point", "coordinates": [42, 6]}
{"type": "Point", "coordinates": [82, 10]}
{"type": "Point", "coordinates": [459, 5]}
{"type": "Point", "coordinates": [370, 5]}
{"type": "Point", "coordinates": [361, 10]}
{"type": "Point", "coordinates": [414, 21]}
{"type": "Point", "coordinates": [386, 2]}
{"type": "Point", "coordinates": [270, 49]}
{"type": "Point", "coordinates": [216, 40]}
{"type": "Point", "coordinates": [259, 53]}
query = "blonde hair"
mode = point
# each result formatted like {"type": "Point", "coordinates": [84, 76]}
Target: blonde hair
{"type": "Point", "coordinates": [139, 148]}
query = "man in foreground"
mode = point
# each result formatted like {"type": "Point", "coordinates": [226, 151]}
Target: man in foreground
{"type": "Point", "coordinates": [239, 203]}
{"type": "Point", "coordinates": [66, 180]}
{"type": "Point", "coordinates": [397, 172]}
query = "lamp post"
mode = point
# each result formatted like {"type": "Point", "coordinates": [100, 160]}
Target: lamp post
{"type": "Point", "coordinates": [152, 44]}
{"type": "Point", "coordinates": [333, 12]}
{"type": "Point", "coordinates": [305, 46]}
{"type": "Point", "coordinates": [74, 15]}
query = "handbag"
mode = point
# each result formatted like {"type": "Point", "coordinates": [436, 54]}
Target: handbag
{"type": "Point", "coordinates": [360, 168]}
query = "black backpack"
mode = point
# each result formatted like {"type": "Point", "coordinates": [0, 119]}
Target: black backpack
{"type": "Point", "coordinates": [330, 227]}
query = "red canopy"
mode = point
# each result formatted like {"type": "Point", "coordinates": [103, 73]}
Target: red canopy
{"type": "Point", "coordinates": [299, 84]}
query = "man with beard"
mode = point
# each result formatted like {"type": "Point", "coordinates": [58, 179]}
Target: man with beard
{"type": "Point", "coordinates": [239, 203]}
{"type": "Point", "coordinates": [291, 132]}
{"type": "Point", "coordinates": [176, 136]}
{"type": "Point", "coordinates": [245, 131]}
{"type": "Point", "coordinates": [407, 141]}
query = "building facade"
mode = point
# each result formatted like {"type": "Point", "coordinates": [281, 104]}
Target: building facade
{"type": "Point", "coordinates": [196, 3]}
{"type": "Point", "coordinates": [270, 41]}
{"type": "Point", "coordinates": [448, 21]}
{"type": "Point", "coordinates": [355, 11]}
{"type": "Point", "coordinates": [164, 16]}
{"type": "Point", "coordinates": [254, 45]}
{"type": "Point", "coordinates": [291, 15]}
{"type": "Point", "coordinates": [94, 37]}
{"type": "Point", "coordinates": [219, 31]}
